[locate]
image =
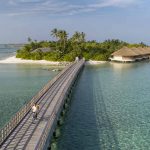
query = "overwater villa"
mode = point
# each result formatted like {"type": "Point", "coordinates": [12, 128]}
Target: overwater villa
{"type": "Point", "coordinates": [126, 54]}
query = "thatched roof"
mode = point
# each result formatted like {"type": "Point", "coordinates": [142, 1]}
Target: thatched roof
{"type": "Point", "coordinates": [44, 49]}
{"type": "Point", "coordinates": [146, 50]}
{"type": "Point", "coordinates": [128, 52]}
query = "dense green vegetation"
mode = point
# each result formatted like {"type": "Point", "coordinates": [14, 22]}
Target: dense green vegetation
{"type": "Point", "coordinates": [66, 49]}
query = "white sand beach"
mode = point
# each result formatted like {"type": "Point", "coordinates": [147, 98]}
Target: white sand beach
{"type": "Point", "coordinates": [14, 60]}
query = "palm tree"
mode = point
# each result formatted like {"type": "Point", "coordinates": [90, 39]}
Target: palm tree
{"type": "Point", "coordinates": [62, 35]}
{"type": "Point", "coordinates": [76, 37]}
{"type": "Point", "coordinates": [29, 39]}
{"type": "Point", "coordinates": [82, 36]}
{"type": "Point", "coordinates": [65, 36]}
{"type": "Point", "coordinates": [54, 33]}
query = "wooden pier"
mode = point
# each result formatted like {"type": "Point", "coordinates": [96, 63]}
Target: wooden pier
{"type": "Point", "coordinates": [20, 133]}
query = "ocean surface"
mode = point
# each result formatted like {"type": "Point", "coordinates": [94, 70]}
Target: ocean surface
{"type": "Point", "coordinates": [19, 83]}
{"type": "Point", "coordinates": [110, 109]}
{"type": "Point", "coordinates": [110, 106]}
{"type": "Point", "coordinates": [6, 52]}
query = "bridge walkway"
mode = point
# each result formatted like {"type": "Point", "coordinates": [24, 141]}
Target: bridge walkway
{"type": "Point", "coordinates": [31, 135]}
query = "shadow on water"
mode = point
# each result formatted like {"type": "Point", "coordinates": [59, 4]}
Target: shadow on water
{"type": "Point", "coordinates": [100, 119]}
{"type": "Point", "coordinates": [107, 136]}
{"type": "Point", "coordinates": [87, 125]}
{"type": "Point", "coordinates": [80, 131]}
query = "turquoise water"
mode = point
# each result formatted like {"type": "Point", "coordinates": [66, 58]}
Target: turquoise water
{"type": "Point", "coordinates": [19, 83]}
{"type": "Point", "coordinates": [110, 109]}
{"type": "Point", "coordinates": [5, 52]}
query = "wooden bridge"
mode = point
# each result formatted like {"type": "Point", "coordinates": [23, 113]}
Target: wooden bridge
{"type": "Point", "coordinates": [20, 133]}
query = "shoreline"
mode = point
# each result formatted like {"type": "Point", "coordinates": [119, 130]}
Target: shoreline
{"type": "Point", "coordinates": [14, 60]}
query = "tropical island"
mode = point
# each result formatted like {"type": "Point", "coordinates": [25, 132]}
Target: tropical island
{"type": "Point", "coordinates": [65, 48]}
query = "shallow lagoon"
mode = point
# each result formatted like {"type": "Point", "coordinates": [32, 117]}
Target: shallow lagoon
{"type": "Point", "coordinates": [110, 109]}
{"type": "Point", "coordinates": [18, 84]}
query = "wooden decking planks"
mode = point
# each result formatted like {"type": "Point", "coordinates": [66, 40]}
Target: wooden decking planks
{"type": "Point", "coordinates": [28, 135]}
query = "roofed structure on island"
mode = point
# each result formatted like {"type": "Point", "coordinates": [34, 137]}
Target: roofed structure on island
{"type": "Point", "coordinates": [43, 49]}
{"type": "Point", "coordinates": [126, 54]}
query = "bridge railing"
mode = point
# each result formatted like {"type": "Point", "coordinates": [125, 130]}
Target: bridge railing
{"type": "Point", "coordinates": [15, 120]}
{"type": "Point", "coordinates": [56, 110]}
